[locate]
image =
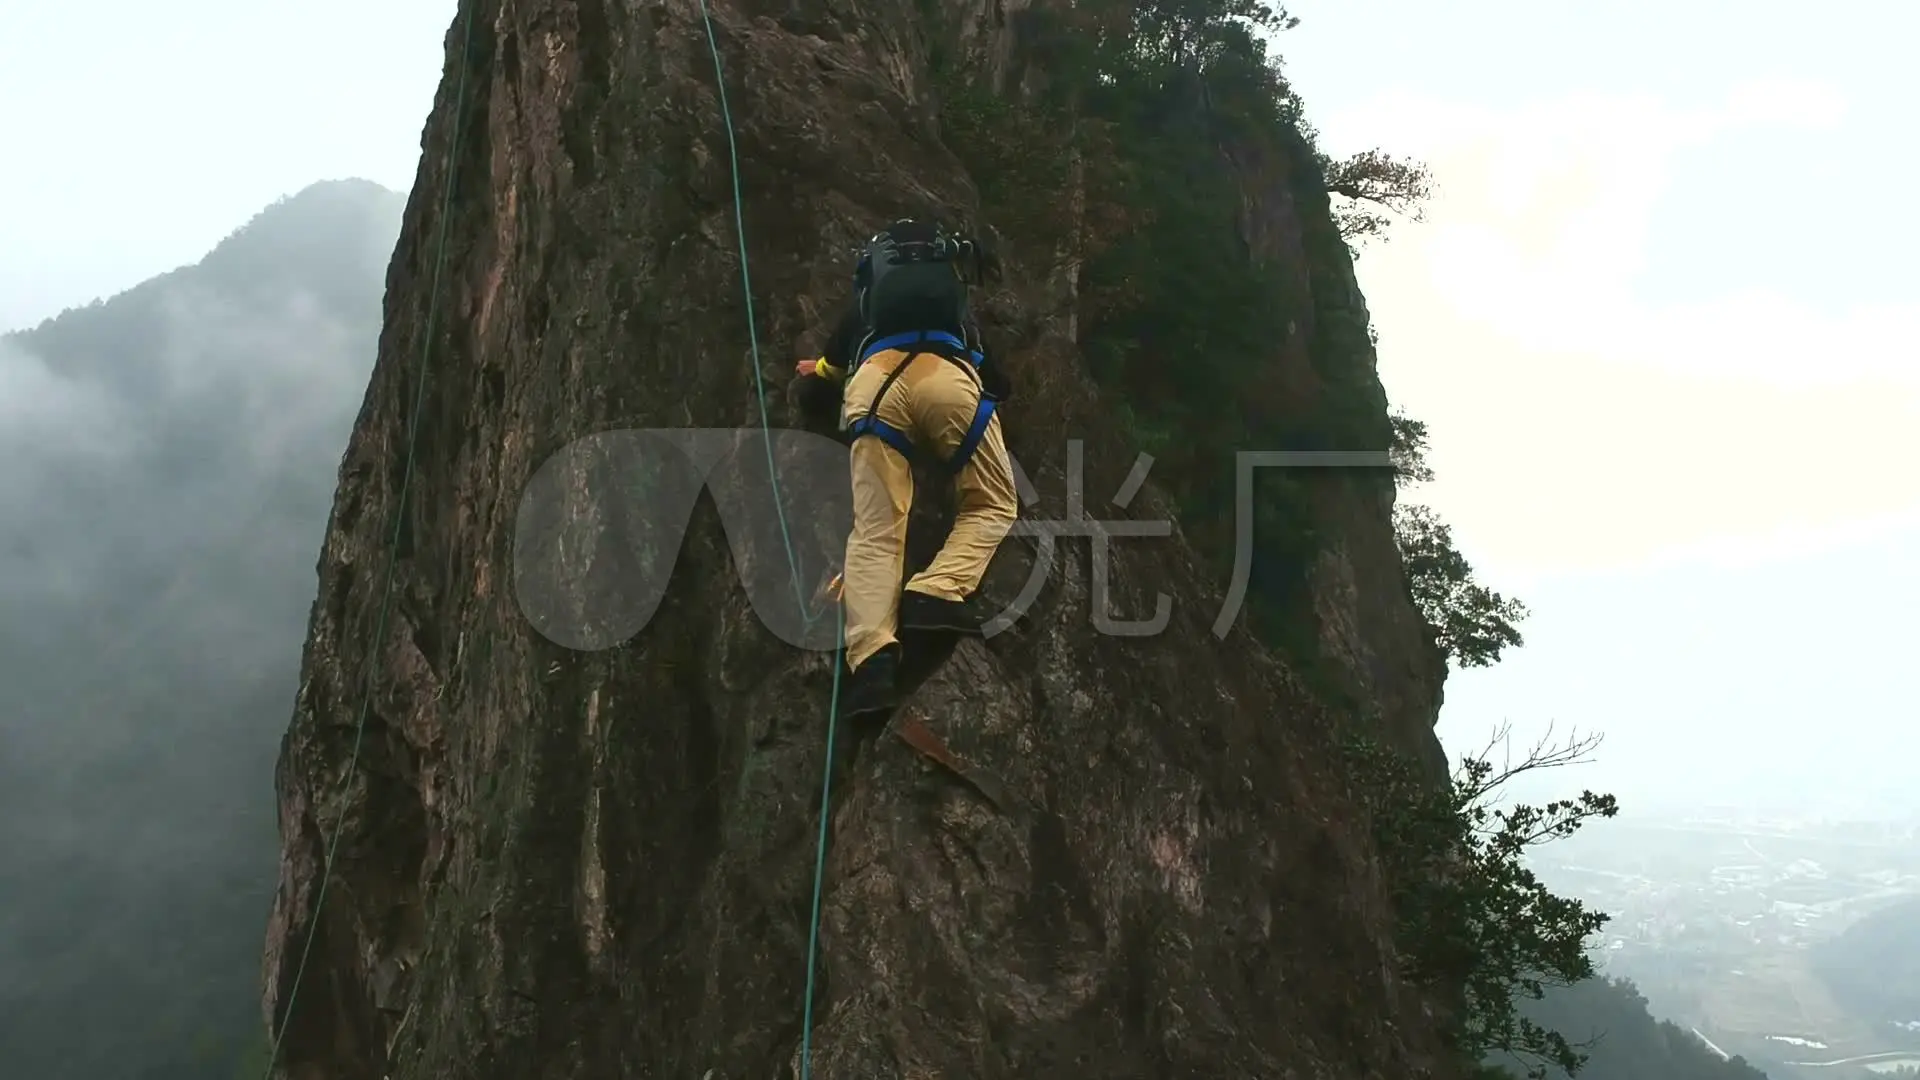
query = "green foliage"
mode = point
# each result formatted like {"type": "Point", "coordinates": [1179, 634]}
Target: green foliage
{"type": "Point", "coordinates": [1146, 100]}
{"type": "Point", "coordinates": [1409, 450]}
{"type": "Point", "coordinates": [1181, 325]}
{"type": "Point", "coordinates": [1470, 918]}
{"type": "Point", "coordinates": [1152, 113]}
{"type": "Point", "coordinates": [1016, 149]}
{"type": "Point", "coordinates": [1375, 187]}
{"type": "Point", "coordinates": [1472, 624]}
{"type": "Point", "coordinates": [1621, 1038]}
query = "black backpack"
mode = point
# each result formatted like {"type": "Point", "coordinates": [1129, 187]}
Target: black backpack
{"type": "Point", "coordinates": [909, 279]}
{"type": "Point", "coordinates": [913, 277]}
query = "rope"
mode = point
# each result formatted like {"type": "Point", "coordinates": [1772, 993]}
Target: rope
{"type": "Point", "coordinates": [793, 561]}
{"type": "Point", "coordinates": [820, 863]}
{"type": "Point", "coordinates": [399, 521]}
{"type": "Point", "coordinates": [786, 536]}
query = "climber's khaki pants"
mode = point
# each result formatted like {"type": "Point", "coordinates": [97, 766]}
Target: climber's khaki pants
{"type": "Point", "coordinates": [933, 401]}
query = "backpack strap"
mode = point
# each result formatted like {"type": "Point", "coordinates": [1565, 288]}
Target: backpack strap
{"type": "Point", "coordinates": [871, 424]}
{"type": "Point", "coordinates": [943, 343]}
{"type": "Point", "coordinates": [970, 443]}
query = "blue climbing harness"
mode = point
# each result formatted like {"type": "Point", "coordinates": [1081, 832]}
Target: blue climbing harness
{"type": "Point", "coordinates": [953, 349]}
{"type": "Point", "coordinates": [917, 337]}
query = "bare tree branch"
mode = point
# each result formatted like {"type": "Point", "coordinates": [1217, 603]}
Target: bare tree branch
{"type": "Point", "coordinates": [1376, 188]}
{"type": "Point", "coordinates": [1546, 753]}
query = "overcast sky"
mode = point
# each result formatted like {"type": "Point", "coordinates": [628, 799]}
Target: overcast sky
{"type": "Point", "coordinates": [1666, 330]}
{"type": "Point", "coordinates": [1662, 318]}
{"type": "Point", "coordinates": [138, 135]}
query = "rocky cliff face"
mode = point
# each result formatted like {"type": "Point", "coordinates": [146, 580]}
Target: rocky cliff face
{"type": "Point", "coordinates": [563, 862]}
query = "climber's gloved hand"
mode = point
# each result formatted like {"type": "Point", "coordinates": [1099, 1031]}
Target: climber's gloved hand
{"type": "Point", "coordinates": [818, 367]}
{"type": "Point", "coordinates": [817, 392]}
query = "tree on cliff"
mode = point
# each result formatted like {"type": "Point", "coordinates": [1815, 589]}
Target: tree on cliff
{"type": "Point", "coordinates": [1472, 624]}
{"type": "Point", "coordinates": [1374, 189]}
{"type": "Point", "coordinates": [1169, 290]}
{"type": "Point", "coordinates": [1472, 915]}
{"type": "Point", "coordinates": [1621, 1039]}
{"type": "Point", "coordinates": [1174, 315]}
{"type": "Point", "coordinates": [1472, 918]}
{"type": "Point", "coordinates": [1172, 311]}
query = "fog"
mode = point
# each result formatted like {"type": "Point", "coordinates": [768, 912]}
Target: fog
{"type": "Point", "coordinates": [167, 462]}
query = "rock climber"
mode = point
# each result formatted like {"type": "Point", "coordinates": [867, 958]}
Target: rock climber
{"type": "Point", "coordinates": [913, 377]}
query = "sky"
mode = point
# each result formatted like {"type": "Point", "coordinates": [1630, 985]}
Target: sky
{"type": "Point", "coordinates": [1665, 329]}
{"type": "Point", "coordinates": [139, 135]}
{"type": "Point", "coordinates": [1661, 318]}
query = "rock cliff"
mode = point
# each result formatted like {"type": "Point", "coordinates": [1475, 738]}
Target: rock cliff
{"type": "Point", "coordinates": [567, 851]}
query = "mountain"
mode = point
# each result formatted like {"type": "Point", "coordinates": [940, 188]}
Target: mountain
{"type": "Point", "coordinates": [167, 458]}
{"type": "Point", "coordinates": [578, 842]}
{"type": "Point", "coordinates": [1873, 968]}
{"type": "Point", "coordinates": [1608, 1020]}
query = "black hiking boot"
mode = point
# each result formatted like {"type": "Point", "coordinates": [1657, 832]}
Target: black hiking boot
{"type": "Point", "coordinates": [920, 611]}
{"type": "Point", "coordinates": [871, 687]}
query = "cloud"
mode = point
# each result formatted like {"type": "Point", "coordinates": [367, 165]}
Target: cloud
{"type": "Point", "coordinates": [179, 448]}
{"type": "Point", "coordinates": [282, 374]}
{"type": "Point", "coordinates": [40, 408]}
{"type": "Point", "coordinates": [55, 432]}
{"type": "Point", "coordinates": [1580, 420]}
{"type": "Point", "coordinates": [167, 460]}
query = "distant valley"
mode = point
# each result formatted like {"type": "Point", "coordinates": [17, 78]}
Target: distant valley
{"type": "Point", "coordinates": [1788, 942]}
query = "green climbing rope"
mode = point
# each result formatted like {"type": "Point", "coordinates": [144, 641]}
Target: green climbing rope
{"type": "Point", "coordinates": [793, 562]}
{"type": "Point", "coordinates": [399, 522]}
{"type": "Point", "coordinates": [820, 860]}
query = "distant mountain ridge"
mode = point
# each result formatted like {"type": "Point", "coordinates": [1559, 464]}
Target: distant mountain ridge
{"type": "Point", "coordinates": [323, 240]}
{"type": "Point", "coordinates": [167, 464]}
{"type": "Point", "coordinates": [1873, 966]}
{"type": "Point", "coordinates": [1623, 1039]}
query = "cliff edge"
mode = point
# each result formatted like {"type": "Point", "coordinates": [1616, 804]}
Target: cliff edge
{"type": "Point", "coordinates": [559, 861]}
